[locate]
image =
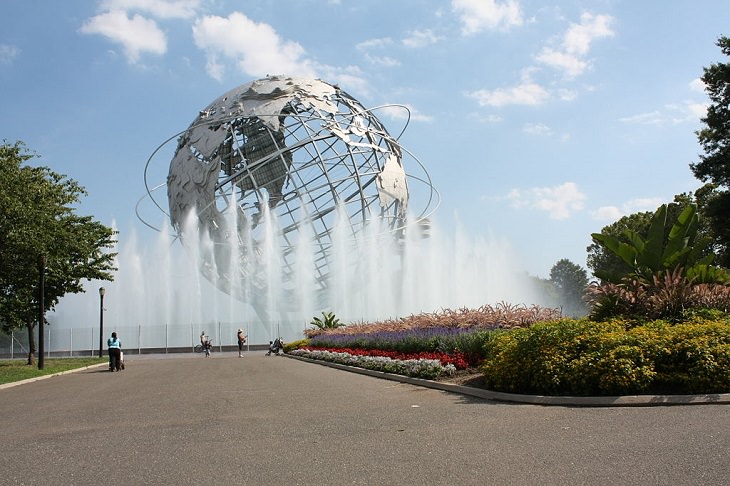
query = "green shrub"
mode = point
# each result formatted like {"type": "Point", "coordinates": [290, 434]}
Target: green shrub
{"type": "Point", "coordinates": [471, 345]}
{"type": "Point", "coordinates": [695, 358]}
{"type": "Point", "coordinates": [301, 343]}
{"type": "Point", "coordinates": [616, 362]}
{"type": "Point", "coordinates": [579, 357]}
{"type": "Point", "coordinates": [530, 360]}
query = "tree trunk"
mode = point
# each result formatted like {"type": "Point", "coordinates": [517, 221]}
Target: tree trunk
{"type": "Point", "coordinates": [31, 342]}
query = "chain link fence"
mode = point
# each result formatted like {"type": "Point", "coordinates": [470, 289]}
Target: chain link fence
{"type": "Point", "coordinates": [145, 339]}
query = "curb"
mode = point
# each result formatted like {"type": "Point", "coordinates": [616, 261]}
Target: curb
{"type": "Point", "coordinates": [37, 378]}
{"type": "Point", "coordinates": [563, 401]}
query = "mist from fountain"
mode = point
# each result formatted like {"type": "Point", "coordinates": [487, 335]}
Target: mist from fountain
{"type": "Point", "coordinates": [159, 298]}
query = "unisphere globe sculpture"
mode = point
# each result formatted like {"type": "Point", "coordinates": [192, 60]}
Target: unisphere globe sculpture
{"type": "Point", "coordinates": [274, 175]}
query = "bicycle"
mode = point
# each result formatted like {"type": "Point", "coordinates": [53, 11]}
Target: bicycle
{"type": "Point", "coordinates": [198, 348]}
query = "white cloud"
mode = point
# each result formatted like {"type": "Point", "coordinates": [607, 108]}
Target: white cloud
{"type": "Point", "coordinates": [687, 111]}
{"type": "Point", "coordinates": [527, 93]}
{"type": "Point", "coordinates": [478, 15]}
{"type": "Point", "coordinates": [374, 43]}
{"type": "Point", "coordinates": [649, 118]}
{"type": "Point", "coordinates": [641, 204]}
{"type": "Point", "coordinates": [696, 110]}
{"type": "Point", "coordinates": [570, 63]}
{"type": "Point", "coordinates": [564, 94]}
{"type": "Point", "coordinates": [607, 213]}
{"type": "Point", "coordinates": [255, 47]}
{"type": "Point", "coordinates": [537, 129]}
{"type": "Point", "coordinates": [560, 202]}
{"type": "Point", "coordinates": [164, 9]}
{"type": "Point", "coordinates": [697, 85]}
{"type": "Point", "coordinates": [578, 38]}
{"type": "Point", "coordinates": [638, 205]}
{"type": "Point", "coordinates": [350, 76]}
{"type": "Point", "coordinates": [398, 113]}
{"type": "Point", "coordinates": [8, 53]}
{"type": "Point", "coordinates": [421, 38]}
{"type": "Point", "coordinates": [489, 118]}
{"type": "Point", "coordinates": [384, 61]}
{"type": "Point", "coordinates": [136, 35]}
{"type": "Point", "coordinates": [575, 44]}
{"type": "Point", "coordinates": [670, 114]}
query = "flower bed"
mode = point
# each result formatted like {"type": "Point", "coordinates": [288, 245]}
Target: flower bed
{"type": "Point", "coordinates": [456, 359]}
{"type": "Point", "coordinates": [501, 316]}
{"type": "Point", "coordinates": [459, 333]}
{"type": "Point", "coordinates": [417, 365]}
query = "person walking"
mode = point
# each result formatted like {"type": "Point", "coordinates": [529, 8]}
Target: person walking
{"type": "Point", "coordinates": [241, 341]}
{"type": "Point", "coordinates": [115, 353]}
{"type": "Point", "coordinates": [205, 342]}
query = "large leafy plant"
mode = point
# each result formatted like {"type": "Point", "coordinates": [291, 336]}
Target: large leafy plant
{"type": "Point", "coordinates": [328, 321]}
{"type": "Point", "coordinates": [653, 254]}
{"type": "Point", "coordinates": [666, 271]}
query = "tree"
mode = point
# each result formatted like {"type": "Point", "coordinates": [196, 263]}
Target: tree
{"type": "Point", "coordinates": [714, 165]}
{"type": "Point", "coordinates": [38, 221]}
{"type": "Point", "coordinates": [602, 261]}
{"type": "Point", "coordinates": [570, 280]}
{"type": "Point", "coordinates": [657, 251]}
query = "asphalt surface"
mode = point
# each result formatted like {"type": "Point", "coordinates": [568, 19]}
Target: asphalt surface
{"type": "Point", "coordinates": [256, 420]}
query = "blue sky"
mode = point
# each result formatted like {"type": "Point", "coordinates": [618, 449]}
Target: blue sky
{"type": "Point", "coordinates": [539, 122]}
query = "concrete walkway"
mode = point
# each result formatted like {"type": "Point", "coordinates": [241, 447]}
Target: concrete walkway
{"type": "Point", "coordinates": [224, 420]}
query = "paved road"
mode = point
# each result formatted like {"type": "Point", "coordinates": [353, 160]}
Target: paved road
{"type": "Point", "coordinates": [259, 420]}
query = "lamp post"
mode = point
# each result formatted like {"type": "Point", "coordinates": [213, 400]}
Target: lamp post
{"type": "Point", "coordinates": [102, 291]}
{"type": "Point", "coordinates": [41, 309]}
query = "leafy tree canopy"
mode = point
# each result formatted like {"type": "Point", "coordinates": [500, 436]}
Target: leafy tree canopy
{"type": "Point", "coordinates": [602, 261]}
{"type": "Point", "coordinates": [39, 221]}
{"type": "Point", "coordinates": [658, 251]}
{"type": "Point", "coordinates": [714, 165]}
{"type": "Point", "coordinates": [570, 280]}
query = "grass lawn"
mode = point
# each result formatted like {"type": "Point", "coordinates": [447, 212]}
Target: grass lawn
{"type": "Point", "coordinates": [16, 369]}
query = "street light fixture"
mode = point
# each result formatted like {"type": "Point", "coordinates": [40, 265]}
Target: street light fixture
{"type": "Point", "coordinates": [102, 291]}
{"type": "Point", "coordinates": [41, 310]}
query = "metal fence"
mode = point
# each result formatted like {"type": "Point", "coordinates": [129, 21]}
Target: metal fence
{"type": "Point", "coordinates": [139, 339]}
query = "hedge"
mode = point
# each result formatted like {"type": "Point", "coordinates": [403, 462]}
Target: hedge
{"type": "Point", "coordinates": [583, 358]}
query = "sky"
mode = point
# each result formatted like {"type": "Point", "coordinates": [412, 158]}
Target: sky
{"type": "Point", "coordinates": [539, 122]}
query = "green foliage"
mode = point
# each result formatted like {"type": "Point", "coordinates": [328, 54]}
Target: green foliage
{"type": "Point", "coordinates": [584, 358]}
{"type": "Point", "coordinates": [328, 321]}
{"type": "Point", "coordinates": [570, 280]}
{"type": "Point", "coordinates": [529, 360]}
{"type": "Point", "coordinates": [608, 266]}
{"type": "Point", "coordinates": [603, 262]}
{"type": "Point", "coordinates": [717, 210]}
{"type": "Point", "coordinates": [664, 269]}
{"type": "Point", "coordinates": [694, 358]}
{"type": "Point", "coordinates": [668, 295]}
{"type": "Point", "coordinates": [471, 345]}
{"type": "Point", "coordinates": [714, 137]}
{"type": "Point", "coordinates": [652, 254]}
{"type": "Point", "coordinates": [38, 221]}
{"type": "Point", "coordinates": [301, 343]}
